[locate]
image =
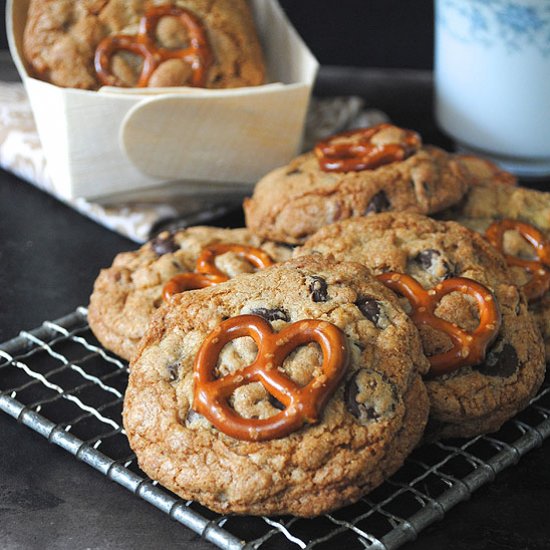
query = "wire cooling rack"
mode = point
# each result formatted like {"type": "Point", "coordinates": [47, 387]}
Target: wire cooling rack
{"type": "Point", "coordinates": [60, 382]}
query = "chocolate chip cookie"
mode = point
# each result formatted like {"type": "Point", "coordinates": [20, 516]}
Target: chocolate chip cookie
{"type": "Point", "coordinates": [482, 171]}
{"type": "Point", "coordinates": [472, 399]}
{"type": "Point", "coordinates": [292, 202]}
{"type": "Point", "coordinates": [486, 203]}
{"type": "Point", "coordinates": [126, 294]}
{"type": "Point", "coordinates": [487, 200]}
{"type": "Point", "coordinates": [514, 245]}
{"type": "Point", "coordinates": [374, 417]}
{"type": "Point", "coordinates": [90, 43]}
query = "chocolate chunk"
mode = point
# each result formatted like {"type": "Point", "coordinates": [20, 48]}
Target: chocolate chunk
{"type": "Point", "coordinates": [318, 289]}
{"type": "Point", "coordinates": [276, 403]}
{"type": "Point", "coordinates": [164, 243]}
{"type": "Point", "coordinates": [503, 363]}
{"type": "Point", "coordinates": [173, 372]}
{"type": "Point", "coordinates": [378, 203]}
{"type": "Point", "coordinates": [276, 314]}
{"type": "Point", "coordinates": [370, 308]}
{"type": "Point", "coordinates": [358, 410]}
{"type": "Point", "coordinates": [428, 260]}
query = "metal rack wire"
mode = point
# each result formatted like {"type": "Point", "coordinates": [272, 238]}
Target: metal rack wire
{"type": "Point", "coordinates": [60, 382]}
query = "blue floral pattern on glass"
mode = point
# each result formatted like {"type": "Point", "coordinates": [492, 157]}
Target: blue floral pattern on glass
{"type": "Point", "coordinates": [518, 25]}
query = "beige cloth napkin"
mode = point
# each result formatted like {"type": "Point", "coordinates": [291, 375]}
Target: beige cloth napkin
{"type": "Point", "coordinates": [21, 153]}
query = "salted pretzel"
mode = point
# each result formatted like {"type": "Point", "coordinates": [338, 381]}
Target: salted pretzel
{"type": "Point", "coordinates": [207, 274]}
{"type": "Point", "coordinates": [539, 269]}
{"type": "Point", "coordinates": [198, 54]}
{"type": "Point", "coordinates": [469, 348]}
{"type": "Point", "coordinates": [339, 153]}
{"type": "Point", "coordinates": [303, 404]}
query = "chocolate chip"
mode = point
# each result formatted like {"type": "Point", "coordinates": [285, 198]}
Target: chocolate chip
{"type": "Point", "coordinates": [426, 257]}
{"type": "Point", "coordinates": [378, 203]}
{"type": "Point", "coordinates": [164, 243]}
{"type": "Point", "coordinates": [370, 395]}
{"type": "Point", "coordinates": [173, 371]}
{"type": "Point", "coordinates": [503, 363]}
{"type": "Point", "coordinates": [287, 245]}
{"type": "Point", "coordinates": [370, 308]}
{"type": "Point", "coordinates": [318, 289]}
{"type": "Point", "coordinates": [276, 403]}
{"type": "Point", "coordinates": [276, 314]}
{"type": "Point", "coordinates": [428, 260]}
{"type": "Point", "coordinates": [358, 410]}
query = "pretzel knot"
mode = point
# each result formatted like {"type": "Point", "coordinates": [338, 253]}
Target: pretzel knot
{"type": "Point", "coordinates": [303, 404]}
{"type": "Point", "coordinates": [469, 348]}
{"type": "Point", "coordinates": [539, 269]}
{"type": "Point", "coordinates": [366, 148]}
{"type": "Point", "coordinates": [207, 274]}
{"type": "Point", "coordinates": [198, 54]}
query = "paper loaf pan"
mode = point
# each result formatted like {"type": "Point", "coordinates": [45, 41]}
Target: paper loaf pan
{"type": "Point", "coordinates": [120, 140]}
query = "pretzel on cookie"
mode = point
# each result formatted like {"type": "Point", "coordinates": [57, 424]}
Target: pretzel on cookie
{"type": "Point", "coordinates": [468, 348]}
{"type": "Point", "coordinates": [539, 269]}
{"type": "Point", "coordinates": [256, 256]}
{"type": "Point", "coordinates": [198, 54]}
{"type": "Point", "coordinates": [302, 404]}
{"type": "Point", "coordinates": [207, 274]}
{"type": "Point", "coordinates": [357, 150]}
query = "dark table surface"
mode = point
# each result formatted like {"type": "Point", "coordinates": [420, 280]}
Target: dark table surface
{"type": "Point", "coordinates": [49, 258]}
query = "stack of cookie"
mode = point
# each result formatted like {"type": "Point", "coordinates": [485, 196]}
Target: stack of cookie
{"type": "Point", "coordinates": [290, 367]}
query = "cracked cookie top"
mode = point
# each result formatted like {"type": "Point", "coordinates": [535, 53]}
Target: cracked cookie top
{"type": "Point", "coordinates": [291, 203]}
{"type": "Point", "coordinates": [126, 294]}
{"type": "Point", "coordinates": [485, 204]}
{"type": "Point", "coordinates": [61, 38]}
{"type": "Point", "coordinates": [373, 419]}
{"type": "Point", "coordinates": [472, 399]}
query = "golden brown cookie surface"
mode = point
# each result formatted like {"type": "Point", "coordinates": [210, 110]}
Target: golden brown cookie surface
{"type": "Point", "coordinates": [126, 294]}
{"type": "Point", "coordinates": [472, 399]}
{"type": "Point", "coordinates": [374, 418]}
{"type": "Point", "coordinates": [293, 202]}
{"type": "Point", "coordinates": [61, 38]}
{"type": "Point", "coordinates": [515, 245]}
{"type": "Point", "coordinates": [488, 201]}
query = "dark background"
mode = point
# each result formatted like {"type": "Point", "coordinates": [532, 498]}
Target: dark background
{"type": "Point", "coordinates": [361, 33]}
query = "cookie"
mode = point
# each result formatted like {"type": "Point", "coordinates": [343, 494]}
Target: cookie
{"type": "Point", "coordinates": [90, 43]}
{"type": "Point", "coordinates": [514, 245]}
{"type": "Point", "coordinates": [482, 171]}
{"type": "Point", "coordinates": [490, 201]}
{"type": "Point", "coordinates": [540, 310]}
{"type": "Point", "coordinates": [126, 294]}
{"type": "Point", "coordinates": [362, 433]}
{"type": "Point", "coordinates": [472, 399]}
{"type": "Point", "coordinates": [293, 202]}
{"type": "Point", "coordinates": [486, 203]}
